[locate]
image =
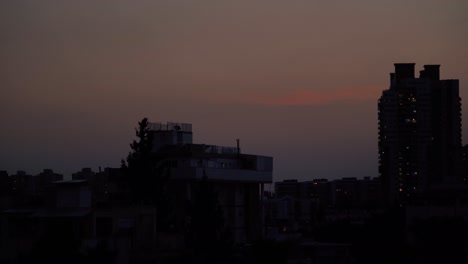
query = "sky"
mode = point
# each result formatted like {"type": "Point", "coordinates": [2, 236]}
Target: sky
{"type": "Point", "coordinates": [297, 80]}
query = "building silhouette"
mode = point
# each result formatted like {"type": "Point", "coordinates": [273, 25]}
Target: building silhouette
{"type": "Point", "coordinates": [301, 205]}
{"type": "Point", "coordinates": [93, 216]}
{"type": "Point", "coordinates": [419, 133]}
{"type": "Point", "coordinates": [237, 178]}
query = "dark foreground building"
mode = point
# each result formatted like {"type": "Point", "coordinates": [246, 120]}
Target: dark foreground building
{"type": "Point", "coordinates": [237, 178]}
{"type": "Point", "coordinates": [94, 218]}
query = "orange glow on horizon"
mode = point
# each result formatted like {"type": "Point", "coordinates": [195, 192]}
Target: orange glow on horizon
{"type": "Point", "coordinates": [309, 97]}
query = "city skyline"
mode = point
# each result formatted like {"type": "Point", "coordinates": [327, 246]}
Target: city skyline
{"type": "Point", "coordinates": [296, 81]}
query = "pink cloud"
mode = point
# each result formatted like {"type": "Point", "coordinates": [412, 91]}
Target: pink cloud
{"type": "Point", "coordinates": [309, 97]}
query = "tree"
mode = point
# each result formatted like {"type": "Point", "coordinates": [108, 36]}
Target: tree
{"type": "Point", "coordinates": [146, 174]}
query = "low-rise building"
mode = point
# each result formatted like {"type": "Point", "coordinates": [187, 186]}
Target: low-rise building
{"type": "Point", "coordinates": [237, 178]}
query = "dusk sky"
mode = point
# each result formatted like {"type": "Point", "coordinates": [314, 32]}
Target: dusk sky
{"type": "Point", "coordinates": [295, 80]}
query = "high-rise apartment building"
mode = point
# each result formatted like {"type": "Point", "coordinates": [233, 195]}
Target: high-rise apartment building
{"type": "Point", "coordinates": [419, 132]}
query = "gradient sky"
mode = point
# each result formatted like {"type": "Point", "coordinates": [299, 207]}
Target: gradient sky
{"type": "Point", "coordinates": [296, 80]}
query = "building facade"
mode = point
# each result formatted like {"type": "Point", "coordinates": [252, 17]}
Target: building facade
{"type": "Point", "coordinates": [419, 133]}
{"type": "Point", "coordinates": [237, 178]}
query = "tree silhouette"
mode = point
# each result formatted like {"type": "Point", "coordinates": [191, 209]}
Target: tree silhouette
{"type": "Point", "coordinates": [147, 177]}
{"type": "Point", "coordinates": [206, 231]}
{"type": "Point", "coordinates": [146, 174]}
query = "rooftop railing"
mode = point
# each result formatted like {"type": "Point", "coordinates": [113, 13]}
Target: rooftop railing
{"type": "Point", "coordinates": [220, 149]}
{"type": "Point", "coordinates": [158, 126]}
